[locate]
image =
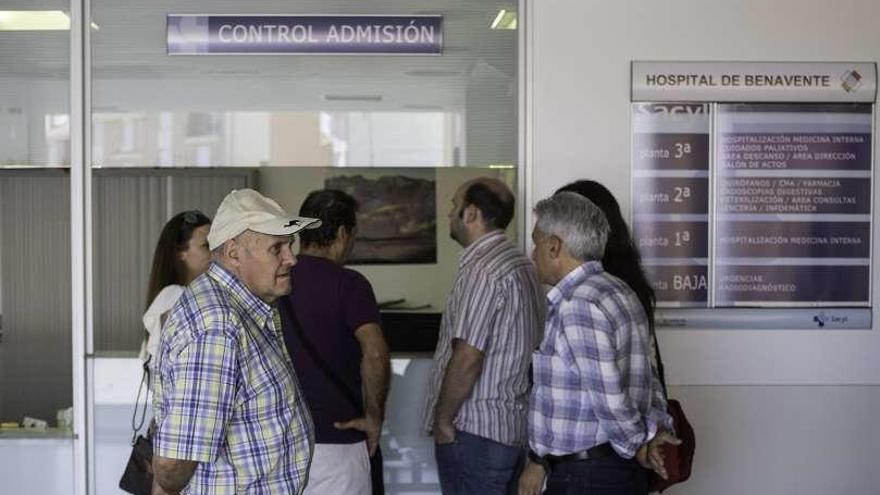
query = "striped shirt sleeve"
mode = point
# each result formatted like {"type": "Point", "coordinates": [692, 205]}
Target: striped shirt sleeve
{"type": "Point", "coordinates": [200, 399]}
{"type": "Point", "coordinates": [479, 306]}
{"type": "Point", "coordinates": [588, 335]}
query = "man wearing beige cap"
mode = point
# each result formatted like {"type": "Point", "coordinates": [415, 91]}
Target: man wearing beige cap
{"type": "Point", "coordinates": [230, 416]}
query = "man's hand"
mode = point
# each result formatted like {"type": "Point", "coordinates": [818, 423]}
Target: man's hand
{"type": "Point", "coordinates": [375, 376]}
{"type": "Point", "coordinates": [371, 426]}
{"type": "Point", "coordinates": [444, 432]}
{"type": "Point", "coordinates": [462, 372]}
{"type": "Point", "coordinates": [650, 455]}
{"type": "Point", "coordinates": [157, 490]}
{"type": "Point", "coordinates": [170, 476]}
{"type": "Point", "coordinates": [531, 481]}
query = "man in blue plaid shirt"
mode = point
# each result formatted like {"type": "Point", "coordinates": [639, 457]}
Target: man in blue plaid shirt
{"type": "Point", "coordinates": [597, 413]}
{"type": "Point", "coordinates": [230, 416]}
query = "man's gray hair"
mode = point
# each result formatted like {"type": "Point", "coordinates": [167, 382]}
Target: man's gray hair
{"type": "Point", "coordinates": [242, 238]}
{"type": "Point", "coordinates": [577, 222]}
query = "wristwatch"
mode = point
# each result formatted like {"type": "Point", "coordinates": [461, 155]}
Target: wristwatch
{"type": "Point", "coordinates": [539, 461]}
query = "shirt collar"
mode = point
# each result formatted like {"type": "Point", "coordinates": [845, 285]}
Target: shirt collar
{"type": "Point", "coordinates": [566, 287]}
{"type": "Point", "coordinates": [480, 246]}
{"type": "Point", "coordinates": [258, 309]}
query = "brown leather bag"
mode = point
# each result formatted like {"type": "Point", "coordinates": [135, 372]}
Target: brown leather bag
{"type": "Point", "coordinates": [678, 459]}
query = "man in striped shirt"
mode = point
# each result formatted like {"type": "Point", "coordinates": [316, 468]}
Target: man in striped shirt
{"type": "Point", "coordinates": [230, 416]}
{"type": "Point", "coordinates": [597, 410]}
{"type": "Point", "coordinates": [478, 393]}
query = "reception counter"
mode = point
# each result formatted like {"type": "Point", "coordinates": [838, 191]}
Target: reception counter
{"type": "Point", "coordinates": [27, 455]}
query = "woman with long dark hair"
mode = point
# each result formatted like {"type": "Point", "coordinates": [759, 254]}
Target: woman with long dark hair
{"type": "Point", "coordinates": [181, 255]}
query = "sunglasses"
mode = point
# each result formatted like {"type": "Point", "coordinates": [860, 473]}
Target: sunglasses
{"type": "Point", "coordinates": [193, 217]}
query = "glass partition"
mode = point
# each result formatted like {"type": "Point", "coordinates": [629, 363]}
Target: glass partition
{"type": "Point", "coordinates": [171, 133]}
{"type": "Point", "coordinates": [34, 84]}
{"type": "Point", "coordinates": [35, 265]}
{"type": "Point", "coordinates": [155, 110]}
{"type": "Point", "coordinates": [36, 384]}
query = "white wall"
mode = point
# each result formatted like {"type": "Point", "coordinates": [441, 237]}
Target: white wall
{"type": "Point", "coordinates": [763, 423]}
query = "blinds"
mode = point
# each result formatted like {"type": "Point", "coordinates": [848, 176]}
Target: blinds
{"type": "Point", "coordinates": [129, 211]}
{"type": "Point", "coordinates": [35, 355]}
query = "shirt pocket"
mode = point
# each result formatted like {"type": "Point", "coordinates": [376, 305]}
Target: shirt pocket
{"type": "Point", "coordinates": [264, 382]}
{"type": "Point", "coordinates": [550, 370]}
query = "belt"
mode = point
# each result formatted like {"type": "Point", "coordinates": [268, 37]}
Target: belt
{"type": "Point", "coordinates": [603, 450]}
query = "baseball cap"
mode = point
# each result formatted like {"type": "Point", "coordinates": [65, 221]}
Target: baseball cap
{"type": "Point", "coordinates": [246, 209]}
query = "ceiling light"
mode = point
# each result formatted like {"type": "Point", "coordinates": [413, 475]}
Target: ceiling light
{"type": "Point", "coordinates": [374, 98]}
{"type": "Point", "coordinates": [506, 19]}
{"type": "Point", "coordinates": [413, 106]}
{"type": "Point", "coordinates": [432, 73]}
{"type": "Point", "coordinates": [36, 20]}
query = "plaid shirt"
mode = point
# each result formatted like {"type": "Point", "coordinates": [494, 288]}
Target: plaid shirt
{"type": "Point", "coordinates": [226, 395]}
{"type": "Point", "coordinates": [593, 378]}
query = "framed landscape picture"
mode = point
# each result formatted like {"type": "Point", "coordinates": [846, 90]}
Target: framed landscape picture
{"type": "Point", "coordinates": [397, 220]}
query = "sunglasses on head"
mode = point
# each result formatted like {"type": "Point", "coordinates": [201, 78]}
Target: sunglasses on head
{"type": "Point", "coordinates": [193, 217]}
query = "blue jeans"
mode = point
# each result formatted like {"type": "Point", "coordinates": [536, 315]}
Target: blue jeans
{"type": "Point", "coordinates": [611, 475]}
{"type": "Point", "coordinates": [473, 465]}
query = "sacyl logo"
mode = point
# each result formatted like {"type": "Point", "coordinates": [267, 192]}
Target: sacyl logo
{"type": "Point", "coordinates": [851, 80]}
{"type": "Point", "coordinates": [836, 321]}
{"type": "Point", "coordinates": [664, 109]}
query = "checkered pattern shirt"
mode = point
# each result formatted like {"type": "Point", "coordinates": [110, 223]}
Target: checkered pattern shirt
{"type": "Point", "coordinates": [593, 378]}
{"type": "Point", "coordinates": [225, 393]}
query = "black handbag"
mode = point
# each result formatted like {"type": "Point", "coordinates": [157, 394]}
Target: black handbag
{"type": "Point", "coordinates": [377, 472]}
{"type": "Point", "coordinates": [138, 475]}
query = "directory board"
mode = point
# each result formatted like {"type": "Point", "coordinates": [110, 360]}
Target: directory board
{"type": "Point", "coordinates": [754, 193]}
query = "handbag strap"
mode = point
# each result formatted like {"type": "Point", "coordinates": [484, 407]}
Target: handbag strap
{"type": "Point", "coordinates": [660, 370]}
{"type": "Point", "coordinates": [319, 361]}
{"type": "Point", "coordinates": [137, 424]}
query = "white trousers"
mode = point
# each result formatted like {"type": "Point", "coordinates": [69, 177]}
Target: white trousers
{"type": "Point", "coordinates": [340, 469]}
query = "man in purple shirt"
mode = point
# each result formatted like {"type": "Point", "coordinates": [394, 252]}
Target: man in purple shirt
{"type": "Point", "coordinates": [331, 329]}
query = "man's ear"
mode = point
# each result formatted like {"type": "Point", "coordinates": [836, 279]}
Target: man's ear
{"type": "Point", "coordinates": [232, 251]}
{"type": "Point", "coordinates": [470, 214]}
{"type": "Point", "coordinates": [554, 246]}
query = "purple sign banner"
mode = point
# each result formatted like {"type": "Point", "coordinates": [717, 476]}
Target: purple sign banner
{"type": "Point", "coordinates": [794, 240]}
{"type": "Point", "coordinates": [670, 195]}
{"type": "Point", "coordinates": [672, 239]}
{"type": "Point", "coordinates": [304, 34]}
{"type": "Point", "coordinates": [811, 195]}
{"type": "Point", "coordinates": [756, 285]}
{"type": "Point", "coordinates": [679, 286]}
{"type": "Point", "coordinates": [795, 151]}
{"type": "Point", "coordinates": [671, 151]}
